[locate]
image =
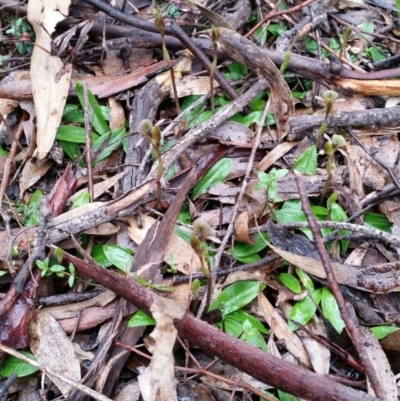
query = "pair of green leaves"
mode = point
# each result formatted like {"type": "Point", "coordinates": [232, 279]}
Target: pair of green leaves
{"type": "Point", "coordinates": [104, 141]}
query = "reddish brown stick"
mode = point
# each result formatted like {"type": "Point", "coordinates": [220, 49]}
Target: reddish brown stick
{"type": "Point", "coordinates": [265, 367]}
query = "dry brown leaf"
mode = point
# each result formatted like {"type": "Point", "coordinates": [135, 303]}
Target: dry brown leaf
{"type": "Point", "coordinates": [179, 252]}
{"type": "Point", "coordinates": [276, 153]}
{"type": "Point", "coordinates": [385, 148]}
{"type": "Point", "coordinates": [243, 50]}
{"type": "Point", "coordinates": [281, 330]}
{"type": "Point", "coordinates": [32, 173]}
{"type": "Point", "coordinates": [242, 229]}
{"type": "Point", "coordinates": [53, 349]}
{"type": "Point", "coordinates": [50, 77]}
{"type": "Point", "coordinates": [157, 382]}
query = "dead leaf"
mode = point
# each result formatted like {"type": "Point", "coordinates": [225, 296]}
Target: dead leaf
{"type": "Point", "coordinates": [178, 252]}
{"type": "Point", "coordinates": [242, 229]}
{"type": "Point", "coordinates": [32, 173]}
{"type": "Point", "coordinates": [157, 382]}
{"type": "Point", "coordinates": [243, 50]}
{"type": "Point", "coordinates": [50, 77]}
{"type": "Point", "coordinates": [281, 330]}
{"type": "Point", "coordinates": [51, 345]}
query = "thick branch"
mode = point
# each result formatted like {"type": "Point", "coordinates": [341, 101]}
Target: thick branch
{"type": "Point", "coordinates": [252, 360]}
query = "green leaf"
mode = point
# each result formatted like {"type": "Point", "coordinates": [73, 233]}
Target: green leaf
{"type": "Point", "coordinates": [377, 221]}
{"type": "Point", "coordinates": [307, 162]}
{"type": "Point", "coordinates": [236, 296]}
{"type": "Point", "coordinates": [253, 337]}
{"type": "Point", "coordinates": [97, 119]}
{"type": "Point", "coordinates": [311, 45]}
{"type": "Point", "coordinates": [367, 26]}
{"type": "Point", "coordinates": [305, 279]}
{"type": "Point", "coordinates": [184, 234]}
{"type": "Point", "coordinates": [242, 250]}
{"type": "Point", "coordinates": [216, 174]}
{"type": "Point", "coordinates": [381, 332]}
{"type": "Point", "coordinates": [31, 210]}
{"type": "Point", "coordinates": [99, 256]}
{"type": "Point", "coordinates": [82, 199]}
{"type": "Point", "coordinates": [2, 151]}
{"type": "Point", "coordinates": [285, 396]}
{"type": "Point", "coordinates": [203, 117]}
{"type": "Point", "coordinates": [331, 310]}
{"type": "Point", "coordinates": [140, 319]}
{"type": "Point", "coordinates": [304, 310]}
{"type": "Point", "coordinates": [290, 282]}
{"type": "Point", "coordinates": [236, 71]}
{"type": "Point", "coordinates": [241, 316]}
{"type": "Point", "coordinates": [73, 113]}
{"type": "Point", "coordinates": [72, 133]}
{"type": "Point", "coordinates": [71, 281]}
{"type": "Point", "coordinates": [71, 149]}
{"type": "Point", "coordinates": [108, 143]}
{"type": "Point", "coordinates": [20, 368]}
{"type": "Point", "coordinates": [398, 7]}
{"type": "Point", "coordinates": [260, 34]}
{"type": "Point", "coordinates": [118, 256]}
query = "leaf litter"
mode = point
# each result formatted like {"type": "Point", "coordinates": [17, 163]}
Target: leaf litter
{"type": "Point", "coordinates": [317, 82]}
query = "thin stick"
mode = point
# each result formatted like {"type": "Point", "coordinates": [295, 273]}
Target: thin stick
{"type": "Point", "coordinates": [335, 289]}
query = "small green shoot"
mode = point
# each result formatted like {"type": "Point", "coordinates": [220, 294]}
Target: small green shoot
{"type": "Point", "coordinates": [286, 61]}
{"type": "Point", "coordinates": [214, 38]}
{"type": "Point", "coordinates": [154, 135]}
{"type": "Point", "coordinates": [48, 269]}
{"type": "Point", "coordinates": [329, 98]}
{"type": "Point", "coordinates": [270, 183]}
{"type": "Point", "coordinates": [201, 231]}
{"type": "Point", "coordinates": [345, 40]}
{"type": "Point", "coordinates": [160, 24]}
{"type": "Point", "coordinates": [330, 147]}
{"type": "Point", "coordinates": [140, 319]}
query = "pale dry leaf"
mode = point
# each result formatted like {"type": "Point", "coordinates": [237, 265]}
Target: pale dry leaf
{"type": "Point", "coordinates": [53, 349]}
{"type": "Point", "coordinates": [193, 85]}
{"type": "Point", "coordinates": [130, 391]}
{"type": "Point", "coordinates": [178, 252]}
{"type": "Point", "coordinates": [275, 154]}
{"type": "Point", "coordinates": [158, 382]}
{"type": "Point", "coordinates": [50, 77]}
{"type": "Point", "coordinates": [98, 189]}
{"type": "Point", "coordinates": [281, 330]}
{"type": "Point", "coordinates": [381, 364]}
{"type": "Point", "coordinates": [319, 354]}
{"type": "Point", "coordinates": [216, 19]}
{"type": "Point", "coordinates": [117, 113]}
{"type": "Point", "coordinates": [103, 229]}
{"type": "Point", "coordinates": [32, 173]}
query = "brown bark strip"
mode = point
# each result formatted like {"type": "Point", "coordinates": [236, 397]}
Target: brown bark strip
{"type": "Point", "coordinates": [257, 363]}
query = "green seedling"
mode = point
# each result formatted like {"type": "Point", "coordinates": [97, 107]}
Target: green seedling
{"type": "Point", "coordinates": [286, 61]}
{"type": "Point", "coordinates": [201, 230]}
{"type": "Point", "coordinates": [154, 135]}
{"type": "Point", "coordinates": [269, 182]}
{"type": "Point", "coordinates": [215, 35]}
{"type": "Point", "coordinates": [195, 291]}
{"type": "Point", "coordinates": [345, 40]}
{"type": "Point", "coordinates": [48, 269]}
{"type": "Point", "coordinates": [330, 147]}
{"type": "Point", "coordinates": [160, 24]}
{"type": "Point", "coordinates": [329, 98]}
